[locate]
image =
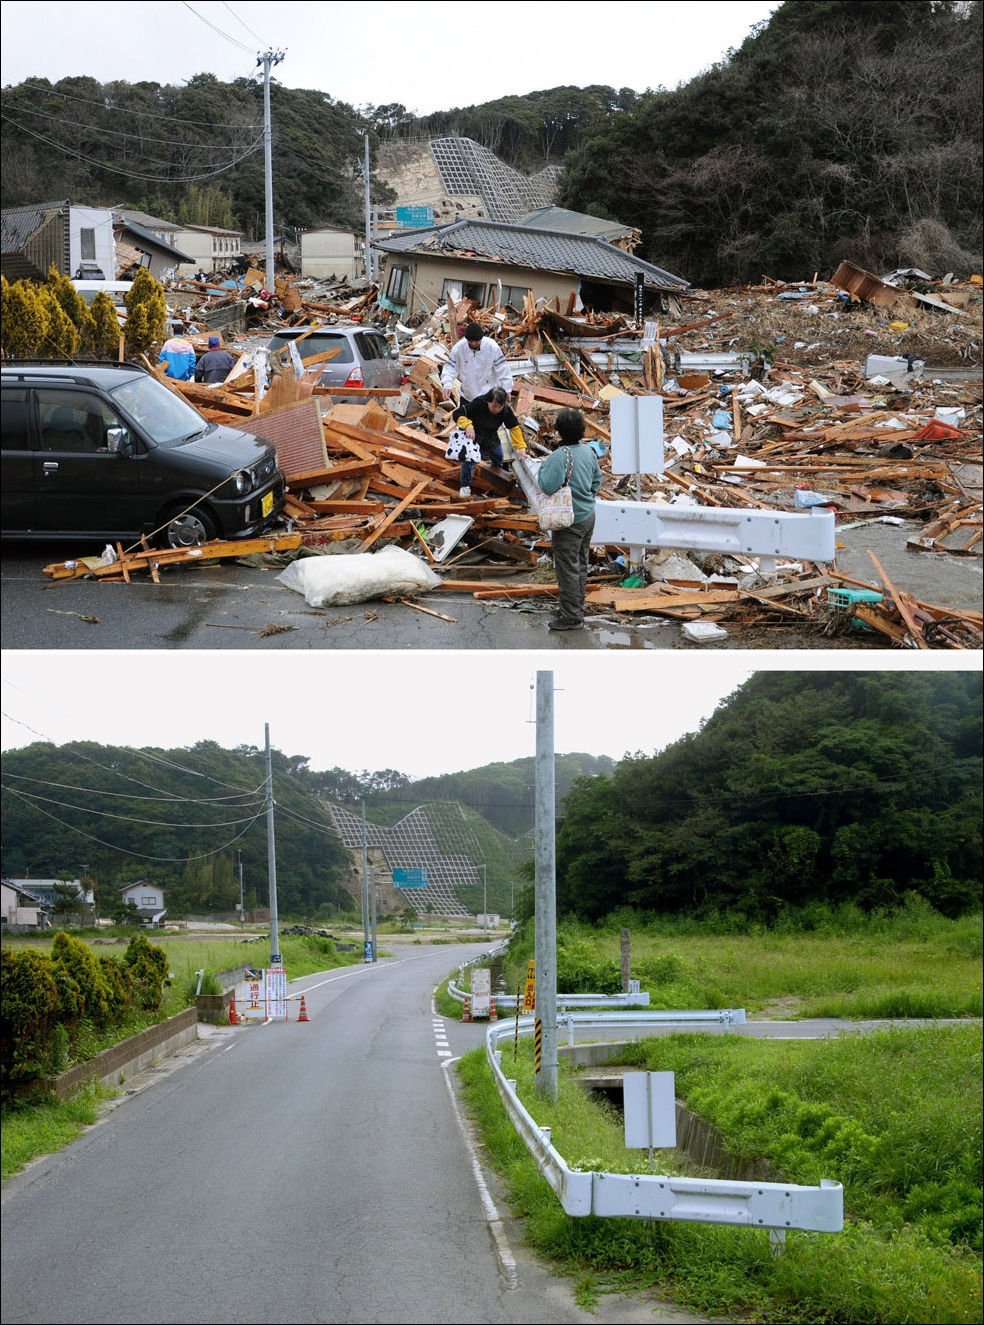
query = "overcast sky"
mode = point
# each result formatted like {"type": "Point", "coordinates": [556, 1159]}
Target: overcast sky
{"type": "Point", "coordinates": [420, 713]}
{"type": "Point", "coordinates": [429, 56]}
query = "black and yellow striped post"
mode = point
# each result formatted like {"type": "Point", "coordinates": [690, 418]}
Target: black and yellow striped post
{"type": "Point", "coordinates": [538, 1044]}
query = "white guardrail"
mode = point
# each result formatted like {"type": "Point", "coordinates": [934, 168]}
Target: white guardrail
{"type": "Point", "coordinates": [776, 1206]}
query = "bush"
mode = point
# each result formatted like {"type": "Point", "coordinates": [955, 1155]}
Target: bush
{"type": "Point", "coordinates": [147, 965]}
{"type": "Point", "coordinates": [76, 959]}
{"type": "Point", "coordinates": [29, 1002]}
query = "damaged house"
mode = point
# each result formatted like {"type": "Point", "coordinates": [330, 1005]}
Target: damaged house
{"type": "Point", "coordinates": [494, 264]}
{"type": "Point", "coordinates": [77, 240]}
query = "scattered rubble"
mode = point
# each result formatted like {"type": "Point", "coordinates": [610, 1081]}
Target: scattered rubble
{"type": "Point", "coordinates": [860, 394]}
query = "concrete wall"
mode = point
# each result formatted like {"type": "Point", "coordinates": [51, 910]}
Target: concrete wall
{"type": "Point", "coordinates": [130, 1056]}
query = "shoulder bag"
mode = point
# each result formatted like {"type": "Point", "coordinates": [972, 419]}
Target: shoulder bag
{"type": "Point", "coordinates": [555, 510]}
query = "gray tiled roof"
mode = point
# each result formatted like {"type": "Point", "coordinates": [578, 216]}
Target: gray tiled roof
{"type": "Point", "coordinates": [17, 224]}
{"type": "Point", "coordinates": [541, 250]}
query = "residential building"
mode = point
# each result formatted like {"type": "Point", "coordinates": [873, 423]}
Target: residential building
{"type": "Point", "coordinates": [77, 240]}
{"type": "Point", "coordinates": [148, 901]}
{"type": "Point", "coordinates": [209, 247]}
{"type": "Point", "coordinates": [497, 264]}
{"type": "Point", "coordinates": [20, 910]}
{"type": "Point", "coordinates": [329, 250]}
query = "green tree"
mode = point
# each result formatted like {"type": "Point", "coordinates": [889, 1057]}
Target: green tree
{"type": "Point", "coordinates": [104, 333]}
{"type": "Point", "coordinates": [24, 320]}
{"type": "Point", "coordinates": [146, 312]}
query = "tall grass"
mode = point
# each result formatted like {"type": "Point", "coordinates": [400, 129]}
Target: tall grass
{"type": "Point", "coordinates": [914, 963]}
{"type": "Point", "coordinates": [892, 1266]}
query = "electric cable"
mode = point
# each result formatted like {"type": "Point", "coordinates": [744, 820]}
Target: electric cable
{"type": "Point", "coordinates": [132, 174]}
{"type": "Point", "coordinates": [126, 110]}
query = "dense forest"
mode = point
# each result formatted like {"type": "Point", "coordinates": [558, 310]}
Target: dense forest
{"type": "Point", "coordinates": [839, 129]}
{"type": "Point", "coordinates": [802, 789]}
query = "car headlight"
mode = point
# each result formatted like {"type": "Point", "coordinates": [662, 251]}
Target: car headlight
{"type": "Point", "coordinates": [243, 481]}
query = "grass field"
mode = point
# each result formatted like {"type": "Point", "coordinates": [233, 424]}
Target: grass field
{"type": "Point", "coordinates": [895, 1117]}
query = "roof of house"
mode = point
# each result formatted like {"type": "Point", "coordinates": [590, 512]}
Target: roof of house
{"type": "Point", "coordinates": [145, 219]}
{"type": "Point", "coordinates": [526, 246]}
{"type": "Point", "coordinates": [210, 230]}
{"type": "Point", "coordinates": [145, 236]}
{"type": "Point", "coordinates": [576, 223]}
{"type": "Point", "coordinates": [22, 892]}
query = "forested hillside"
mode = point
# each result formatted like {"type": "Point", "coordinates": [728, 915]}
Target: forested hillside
{"type": "Point", "coordinates": [801, 789]}
{"type": "Point", "coordinates": [501, 793]}
{"type": "Point", "coordinates": [177, 817]}
{"type": "Point", "coordinates": [841, 129]}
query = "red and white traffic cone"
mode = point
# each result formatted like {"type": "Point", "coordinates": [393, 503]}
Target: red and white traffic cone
{"type": "Point", "coordinates": [302, 1015]}
{"type": "Point", "coordinates": [493, 1015]}
{"type": "Point", "coordinates": [233, 1014]}
{"type": "Point", "coordinates": [466, 1010]}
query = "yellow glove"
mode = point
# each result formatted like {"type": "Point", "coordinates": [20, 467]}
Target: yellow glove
{"type": "Point", "coordinates": [464, 424]}
{"type": "Point", "coordinates": [517, 439]}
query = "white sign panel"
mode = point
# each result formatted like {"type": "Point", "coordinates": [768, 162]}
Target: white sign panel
{"type": "Point", "coordinates": [481, 991]}
{"type": "Point", "coordinates": [650, 1110]}
{"type": "Point", "coordinates": [637, 434]}
{"type": "Point", "coordinates": [254, 1007]}
{"type": "Point", "coordinates": [276, 988]}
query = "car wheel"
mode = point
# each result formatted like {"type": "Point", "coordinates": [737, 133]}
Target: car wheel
{"type": "Point", "coordinates": [186, 529]}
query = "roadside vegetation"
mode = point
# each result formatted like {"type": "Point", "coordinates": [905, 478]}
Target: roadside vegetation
{"type": "Point", "coordinates": [66, 998]}
{"type": "Point", "coordinates": [829, 962]}
{"type": "Point", "coordinates": [895, 1116]}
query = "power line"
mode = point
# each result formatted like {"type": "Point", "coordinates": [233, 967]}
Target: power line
{"type": "Point", "coordinates": [143, 855]}
{"type": "Point", "coordinates": [132, 174]}
{"type": "Point", "coordinates": [123, 133]}
{"type": "Point", "coordinates": [129, 110]}
{"type": "Point", "coordinates": [215, 28]}
{"type": "Point", "coordinates": [126, 818]}
{"type": "Point", "coordinates": [245, 25]}
{"type": "Point", "coordinates": [129, 795]}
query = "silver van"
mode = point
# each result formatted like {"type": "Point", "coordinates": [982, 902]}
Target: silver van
{"type": "Point", "coordinates": [364, 358]}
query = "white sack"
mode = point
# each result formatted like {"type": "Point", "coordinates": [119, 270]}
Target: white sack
{"type": "Point", "coordinates": [355, 577]}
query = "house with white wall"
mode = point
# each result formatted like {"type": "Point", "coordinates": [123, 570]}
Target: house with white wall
{"type": "Point", "coordinates": [208, 247]}
{"type": "Point", "coordinates": [147, 899]}
{"type": "Point", "coordinates": [328, 250]}
{"type": "Point", "coordinates": [20, 910]}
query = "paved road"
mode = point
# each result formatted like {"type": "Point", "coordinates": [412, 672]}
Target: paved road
{"type": "Point", "coordinates": [304, 1172]}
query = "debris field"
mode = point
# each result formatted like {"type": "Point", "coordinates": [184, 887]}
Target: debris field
{"type": "Point", "coordinates": [853, 394]}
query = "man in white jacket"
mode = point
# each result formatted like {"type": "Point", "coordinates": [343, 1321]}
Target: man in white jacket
{"type": "Point", "coordinates": [478, 363]}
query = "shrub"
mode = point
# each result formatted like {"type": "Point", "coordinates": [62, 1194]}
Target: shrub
{"type": "Point", "coordinates": [76, 958]}
{"type": "Point", "coordinates": [148, 966]}
{"type": "Point", "coordinates": [29, 1002]}
{"type": "Point", "coordinates": [146, 313]}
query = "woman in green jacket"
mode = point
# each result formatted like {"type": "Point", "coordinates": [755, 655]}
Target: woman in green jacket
{"type": "Point", "coordinates": [577, 464]}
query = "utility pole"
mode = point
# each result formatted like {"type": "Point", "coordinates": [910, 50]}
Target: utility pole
{"type": "Point", "coordinates": [485, 902]}
{"type": "Point", "coordinates": [242, 908]}
{"type": "Point", "coordinates": [545, 949]}
{"type": "Point", "coordinates": [268, 59]}
{"type": "Point", "coordinates": [372, 881]}
{"type": "Point", "coordinates": [365, 888]}
{"type": "Point", "coordinates": [365, 176]}
{"type": "Point", "coordinates": [275, 956]}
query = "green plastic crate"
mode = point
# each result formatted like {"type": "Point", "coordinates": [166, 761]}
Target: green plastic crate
{"type": "Point", "coordinates": [850, 597]}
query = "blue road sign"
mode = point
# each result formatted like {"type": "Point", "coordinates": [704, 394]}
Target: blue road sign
{"type": "Point", "coordinates": [409, 878]}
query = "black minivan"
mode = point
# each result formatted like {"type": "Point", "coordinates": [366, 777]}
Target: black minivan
{"type": "Point", "coordinates": [105, 450]}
